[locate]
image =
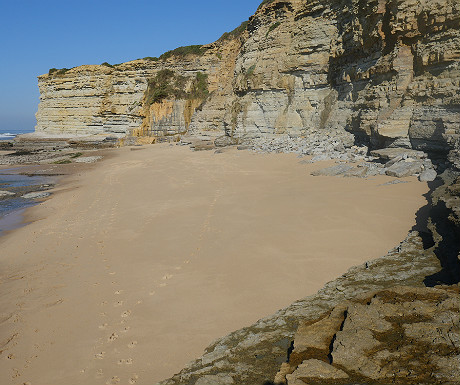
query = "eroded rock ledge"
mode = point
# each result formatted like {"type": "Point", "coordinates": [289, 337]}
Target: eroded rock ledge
{"type": "Point", "coordinates": [400, 335]}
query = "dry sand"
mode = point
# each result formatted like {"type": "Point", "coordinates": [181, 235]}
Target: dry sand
{"type": "Point", "coordinates": [134, 266]}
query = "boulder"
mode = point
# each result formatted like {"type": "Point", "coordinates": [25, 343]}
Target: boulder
{"type": "Point", "coordinates": [36, 195]}
{"type": "Point", "coordinates": [404, 168]}
{"type": "Point", "coordinates": [402, 335]}
{"type": "Point", "coordinates": [428, 175]}
{"type": "Point", "coordinates": [4, 193]}
{"type": "Point", "coordinates": [387, 154]}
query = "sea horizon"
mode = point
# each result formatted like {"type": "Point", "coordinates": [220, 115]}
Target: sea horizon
{"type": "Point", "coordinates": [9, 134]}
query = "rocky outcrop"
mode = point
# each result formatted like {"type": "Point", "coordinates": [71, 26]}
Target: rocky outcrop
{"type": "Point", "coordinates": [400, 335]}
{"type": "Point", "coordinates": [385, 70]}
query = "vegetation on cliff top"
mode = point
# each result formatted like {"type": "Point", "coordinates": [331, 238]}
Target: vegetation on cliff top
{"type": "Point", "coordinates": [235, 33]}
{"type": "Point", "coordinates": [184, 51]}
{"type": "Point", "coordinates": [167, 83]}
{"type": "Point", "coordinates": [55, 71]}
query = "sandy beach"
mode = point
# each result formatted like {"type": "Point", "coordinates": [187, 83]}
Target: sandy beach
{"type": "Point", "coordinates": [139, 262]}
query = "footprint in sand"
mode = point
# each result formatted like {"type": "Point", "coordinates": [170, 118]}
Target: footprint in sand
{"type": "Point", "coordinates": [125, 329]}
{"type": "Point", "coordinates": [112, 337]}
{"type": "Point", "coordinates": [99, 356]}
{"type": "Point", "coordinates": [118, 292]}
{"type": "Point", "coordinates": [133, 379]}
{"type": "Point", "coordinates": [127, 361]}
{"type": "Point", "coordinates": [152, 292]}
{"type": "Point", "coordinates": [126, 314]}
{"type": "Point", "coordinates": [162, 284]}
{"type": "Point", "coordinates": [114, 380]}
{"type": "Point", "coordinates": [104, 303]}
{"type": "Point", "coordinates": [112, 273]}
{"type": "Point", "coordinates": [167, 276]}
{"type": "Point", "coordinates": [132, 344]}
{"type": "Point", "coordinates": [118, 303]}
{"type": "Point", "coordinates": [103, 326]}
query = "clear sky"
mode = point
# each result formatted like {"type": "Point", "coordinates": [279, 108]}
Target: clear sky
{"type": "Point", "coordinates": [36, 35]}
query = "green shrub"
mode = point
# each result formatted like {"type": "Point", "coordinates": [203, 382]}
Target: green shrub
{"type": "Point", "coordinates": [235, 33]}
{"type": "Point", "coordinates": [272, 27]}
{"type": "Point", "coordinates": [250, 70]}
{"type": "Point", "coordinates": [161, 86]}
{"type": "Point", "coordinates": [76, 155]}
{"type": "Point", "coordinates": [57, 72]}
{"type": "Point", "coordinates": [184, 51]}
{"type": "Point", "coordinates": [107, 65]}
{"type": "Point", "coordinates": [168, 84]}
{"type": "Point", "coordinates": [151, 58]}
{"type": "Point", "coordinates": [199, 88]}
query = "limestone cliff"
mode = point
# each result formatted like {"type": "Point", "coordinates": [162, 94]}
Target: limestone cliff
{"type": "Point", "coordinates": [148, 97]}
{"type": "Point", "coordinates": [386, 70]}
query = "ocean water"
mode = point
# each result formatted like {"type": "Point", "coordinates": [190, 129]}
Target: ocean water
{"type": "Point", "coordinates": [12, 208]}
{"type": "Point", "coordinates": [10, 134]}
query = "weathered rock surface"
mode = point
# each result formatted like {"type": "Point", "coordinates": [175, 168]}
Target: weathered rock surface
{"type": "Point", "coordinates": [401, 335]}
{"type": "Point", "coordinates": [36, 195]}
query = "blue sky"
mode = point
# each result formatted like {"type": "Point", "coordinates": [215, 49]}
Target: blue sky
{"type": "Point", "coordinates": [36, 35]}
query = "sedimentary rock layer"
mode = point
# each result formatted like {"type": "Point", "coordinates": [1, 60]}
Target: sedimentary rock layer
{"type": "Point", "coordinates": [386, 70]}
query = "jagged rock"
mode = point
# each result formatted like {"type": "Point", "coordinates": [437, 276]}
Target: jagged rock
{"type": "Point", "coordinates": [389, 154]}
{"type": "Point", "coordinates": [338, 169]}
{"type": "Point", "coordinates": [428, 175]}
{"type": "Point", "coordinates": [88, 159]}
{"type": "Point", "coordinates": [36, 195]}
{"type": "Point", "coordinates": [404, 168]}
{"type": "Point", "coordinates": [223, 141]}
{"type": "Point", "coordinates": [316, 370]}
{"type": "Point", "coordinates": [215, 380]}
{"type": "Point", "coordinates": [402, 335]}
{"type": "Point", "coordinates": [444, 225]}
{"type": "Point", "coordinates": [4, 193]}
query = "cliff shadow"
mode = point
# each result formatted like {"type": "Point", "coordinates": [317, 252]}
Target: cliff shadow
{"type": "Point", "coordinates": [439, 235]}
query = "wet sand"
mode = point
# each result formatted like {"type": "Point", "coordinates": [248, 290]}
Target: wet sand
{"type": "Point", "coordinates": [137, 264]}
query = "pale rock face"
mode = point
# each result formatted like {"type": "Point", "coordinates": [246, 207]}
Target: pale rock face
{"type": "Point", "coordinates": [91, 100]}
{"type": "Point", "coordinates": [103, 100]}
{"type": "Point", "coordinates": [387, 71]}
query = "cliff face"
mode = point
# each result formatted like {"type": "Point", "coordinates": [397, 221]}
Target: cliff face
{"type": "Point", "coordinates": [143, 98]}
{"type": "Point", "coordinates": [386, 70]}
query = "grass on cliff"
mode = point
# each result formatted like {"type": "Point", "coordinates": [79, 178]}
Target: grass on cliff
{"type": "Point", "coordinates": [55, 71]}
{"type": "Point", "coordinates": [273, 27]}
{"type": "Point", "coordinates": [167, 84]}
{"type": "Point", "coordinates": [235, 33]}
{"type": "Point", "coordinates": [180, 52]}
